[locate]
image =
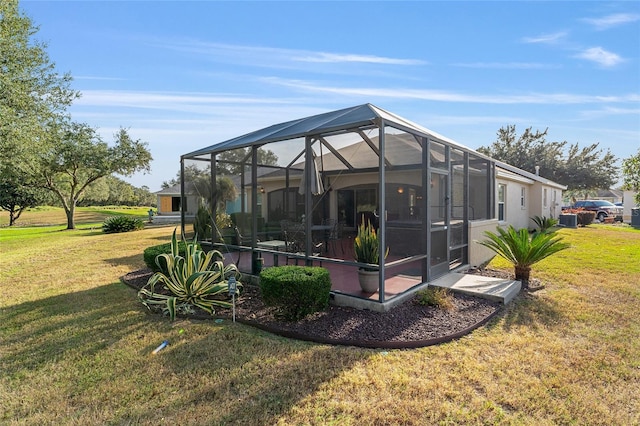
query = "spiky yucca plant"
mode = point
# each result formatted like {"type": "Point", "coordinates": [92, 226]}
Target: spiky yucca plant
{"type": "Point", "coordinates": [522, 249]}
{"type": "Point", "coordinates": [197, 279]}
{"type": "Point", "coordinates": [366, 244]}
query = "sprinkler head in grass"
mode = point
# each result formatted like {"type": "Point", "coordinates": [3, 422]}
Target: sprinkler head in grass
{"type": "Point", "coordinates": [160, 347]}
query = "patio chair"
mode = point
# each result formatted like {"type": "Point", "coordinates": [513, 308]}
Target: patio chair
{"type": "Point", "coordinates": [241, 240]}
{"type": "Point", "coordinates": [335, 235]}
{"type": "Point", "coordinates": [295, 241]}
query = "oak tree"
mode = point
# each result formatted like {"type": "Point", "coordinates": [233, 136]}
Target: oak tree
{"type": "Point", "coordinates": [16, 197]}
{"type": "Point", "coordinates": [631, 174]}
{"type": "Point", "coordinates": [33, 95]}
{"type": "Point", "coordinates": [580, 169]}
{"type": "Point", "coordinates": [78, 157]}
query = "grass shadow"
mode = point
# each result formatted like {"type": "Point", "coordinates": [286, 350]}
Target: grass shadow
{"type": "Point", "coordinates": [248, 376]}
{"type": "Point", "coordinates": [36, 332]}
{"type": "Point", "coordinates": [532, 311]}
{"type": "Point", "coordinates": [134, 262]}
{"type": "Point", "coordinates": [261, 376]}
{"type": "Point", "coordinates": [82, 231]}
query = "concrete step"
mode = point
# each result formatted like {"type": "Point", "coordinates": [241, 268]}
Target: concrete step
{"type": "Point", "coordinates": [497, 289]}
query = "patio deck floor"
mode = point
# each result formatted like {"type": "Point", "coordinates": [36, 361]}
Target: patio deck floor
{"type": "Point", "coordinates": [346, 289]}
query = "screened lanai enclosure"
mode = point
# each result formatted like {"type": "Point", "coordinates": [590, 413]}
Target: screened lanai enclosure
{"type": "Point", "coordinates": [303, 187]}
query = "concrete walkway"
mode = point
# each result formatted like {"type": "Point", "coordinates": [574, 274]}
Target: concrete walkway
{"type": "Point", "coordinates": [497, 289]}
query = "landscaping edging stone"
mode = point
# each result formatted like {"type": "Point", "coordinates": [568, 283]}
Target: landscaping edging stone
{"type": "Point", "coordinates": [413, 323]}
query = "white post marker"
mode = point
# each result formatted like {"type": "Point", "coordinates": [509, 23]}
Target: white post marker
{"type": "Point", "coordinates": [233, 284]}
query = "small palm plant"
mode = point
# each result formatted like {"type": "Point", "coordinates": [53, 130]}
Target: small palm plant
{"type": "Point", "coordinates": [544, 224]}
{"type": "Point", "coordinates": [195, 280]}
{"type": "Point", "coordinates": [522, 249]}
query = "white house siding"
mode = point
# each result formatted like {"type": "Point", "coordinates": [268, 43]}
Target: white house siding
{"type": "Point", "coordinates": [629, 202]}
{"type": "Point", "coordinates": [517, 181]}
{"type": "Point", "coordinates": [479, 254]}
{"type": "Point", "coordinates": [515, 214]}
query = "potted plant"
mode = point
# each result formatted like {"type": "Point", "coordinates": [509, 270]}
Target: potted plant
{"type": "Point", "coordinates": [367, 250]}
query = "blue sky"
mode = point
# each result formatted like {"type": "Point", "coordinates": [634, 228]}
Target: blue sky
{"type": "Point", "coordinates": [185, 75]}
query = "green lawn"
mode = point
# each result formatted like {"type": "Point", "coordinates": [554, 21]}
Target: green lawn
{"type": "Point", "coordinates": [75, 348]}
{"type": "Point", "coordinates": [87, 216]}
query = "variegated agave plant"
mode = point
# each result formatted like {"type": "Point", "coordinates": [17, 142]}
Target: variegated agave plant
{"type": "Point", "coordinates": [197, 279]}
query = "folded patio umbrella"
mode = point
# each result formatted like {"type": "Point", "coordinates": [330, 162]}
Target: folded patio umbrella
{"type": "Point", "coordinates": [316, 180]}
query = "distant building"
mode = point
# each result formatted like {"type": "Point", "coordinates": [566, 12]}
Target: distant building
{"type": "Point", "coordinates": [170, 204]}
{"type": "Point", "coordinates": [611, 195]}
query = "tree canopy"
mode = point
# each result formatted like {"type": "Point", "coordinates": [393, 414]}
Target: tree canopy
{"type": "Point", "coordinates": [631, 174]}
{"type": "Point", "coordinates": [580, 169]}
{"type": "Point", "coordinates": [113, 191]}
{"type": "Point", "coordinates": [230, 162]}
{"type": "Point", "coordinates": [200, 184]}
{"type": "Point", "coordinates": [78, 157]}
{"type": "Point", "coordinates": [16, 197]}
{"type": "Point", "coordinates": [39, 146]}
{"type": "Point", "coordinates": [33, 95]}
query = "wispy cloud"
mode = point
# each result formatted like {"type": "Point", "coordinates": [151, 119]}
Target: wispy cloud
{"type": "Point", "coordinates": [610, 21]}
{"type": "Point", "coordinates": [546, 38]}
{"type": "Point", "coordinates": [600, 56]}
{"type": "Point", "coordinates": [275, 57]}
{"type": "Point", "coordinates": [223, 115]}
{"type": "Point", "coordinates": [182, 101]}
{"type": "Point", "coordinates": [609, 111]}
{"type": "Point", "coordinates": [322, 57]}
{"type": "Point", "coordinates": [507, 65]}
{"type": "Point", "coordinates": [473, 119]}
{"type": "Point", "coordinates": [445, 96]}
{"type": "Point", "coordinates": [97, 78]}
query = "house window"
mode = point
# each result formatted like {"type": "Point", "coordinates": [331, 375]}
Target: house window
{"type": "Point", "coordinates": [284, 204]}
{"type": "Point", "coordinates": [502, 189]}
{"type": "Point", "coordinates": [523, 191]}
{"type": "Point", "coordinates": [544, 198]}
{"type": "Point", "coordinates": [355, 202]}
{"type": "Point", "coordinates": [175, 204]}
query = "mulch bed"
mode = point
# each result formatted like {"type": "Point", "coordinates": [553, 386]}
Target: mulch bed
{"type": "Point", "coordinates": [407, 325]}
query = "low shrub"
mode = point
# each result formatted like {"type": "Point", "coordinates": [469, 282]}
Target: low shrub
{"type": "Point", "coordinates": [151, 253]}
{"type": "Point", "coordinates": [296, 291]}
{"type": "Point", "coordinates": [115, 224]}
{"type": "Point", "coordinates": [435, 296]}
{"type": "Point", "coordinates": [586, 217]}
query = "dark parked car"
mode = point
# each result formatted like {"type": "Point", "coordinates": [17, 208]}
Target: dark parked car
{"type": "Point", "coordinates": [603, 209]}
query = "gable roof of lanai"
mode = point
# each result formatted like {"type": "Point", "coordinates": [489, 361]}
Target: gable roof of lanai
{"type": "Point", "coordinates": [361, 116]}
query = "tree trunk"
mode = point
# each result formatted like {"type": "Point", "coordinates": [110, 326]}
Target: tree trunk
{"type": "Point", "coordinates": [15, 215]}
{"type": "Point", "coordinates": [522, 274]}
{"type": "Point", "coordinates": [70, 212]}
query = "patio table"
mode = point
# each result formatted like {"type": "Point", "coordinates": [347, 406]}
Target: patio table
{"type": "Point", "coordinates": [326, 231]}
{"type": "Point", "coordinates": [276, 245]}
